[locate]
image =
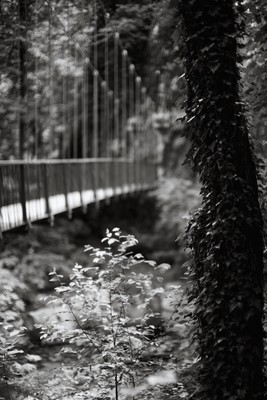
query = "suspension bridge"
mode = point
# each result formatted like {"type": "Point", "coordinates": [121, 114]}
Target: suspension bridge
{"type": "Point", "coordinates": [80, 121]}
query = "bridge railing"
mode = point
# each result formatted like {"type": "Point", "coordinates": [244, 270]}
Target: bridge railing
{"type": "Point", "coordinates": [37, 189]}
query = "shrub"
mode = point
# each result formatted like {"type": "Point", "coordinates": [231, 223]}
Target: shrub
{"type": "Point", "coordinates": [115, 329]}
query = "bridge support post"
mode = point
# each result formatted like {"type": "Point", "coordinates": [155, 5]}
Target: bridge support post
{"type": "Point", "coordinates": [82, 185]}
{"type": "Point", "coordinates": [65, 175]}
{"type": "Point", "coordinates": [22, 192]}
{"type": "Point", "coordinates": [46, 193]}
{"type": "Point", "coordinates": [1, 233]}
{"type": "Point", "coordinates": [1, 202]}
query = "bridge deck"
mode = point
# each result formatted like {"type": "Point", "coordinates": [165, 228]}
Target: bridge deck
{"type": "Point", "coordinates": [12, 215]}
{"type": "Point", "coordinates": [35, 190]}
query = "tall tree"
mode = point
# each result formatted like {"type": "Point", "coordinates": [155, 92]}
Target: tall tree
{"type": "Point", "coordinates": [22, 74]}
{"type": "Point", "coordinates": [226, 234]}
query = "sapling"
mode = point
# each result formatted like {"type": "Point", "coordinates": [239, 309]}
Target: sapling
{"type": "Point", "coordinates": [109, 302]}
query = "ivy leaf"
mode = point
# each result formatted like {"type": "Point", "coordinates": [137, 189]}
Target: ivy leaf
{"type": "Point", "coordinates": [151, 262]}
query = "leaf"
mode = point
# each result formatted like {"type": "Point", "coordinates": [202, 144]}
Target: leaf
{"type": "Point", "coordinates": [15, 351]}
{"type": "Point", "coordinates": [191, 119]}
{"type": "Point", "coordinates": [139, 256]}
{"type": "Point", "coordinates": [88, 247]}
{"type": "Point", "coordinates": [54, 279]}
{"type": "Point", "coordinates": [214, 68]}
{"type": "Point", "coordinates": [163, 267]}
{"type": "Point", "coordinates": [112, 241]}
{"type": "Point", "coordinates": [151, 262]}
{"type": "Point", "coordinates": [15, 333]}
{"type": "Point", "coordinates": [8, 327]}
{"type": "Point", "coordinates": [63, 289]}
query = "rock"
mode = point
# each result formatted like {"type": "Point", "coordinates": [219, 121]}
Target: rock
{"type": "Point", "coordinates": [12, 308]}
{"type": "Point", "coordinates": [34, 270]}
{"type": "Point", "coordinates": [8, 261]}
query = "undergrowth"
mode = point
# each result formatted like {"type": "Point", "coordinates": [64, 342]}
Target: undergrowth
{"type": "Point", "coordinates": [120, 334]}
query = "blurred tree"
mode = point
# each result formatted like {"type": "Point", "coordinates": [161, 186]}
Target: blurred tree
{"type": "Point", "coordinates": [9, 72]}
{"type": "Point", "coordinates": [44, 49]}
{"type": "Point", "coordinates": [166, 78]}
{"type": "Point", "coordinates": [226, 233]}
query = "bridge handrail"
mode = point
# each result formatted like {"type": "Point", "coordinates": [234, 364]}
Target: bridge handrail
{"type": "Point", "coordinates": [70, 161]}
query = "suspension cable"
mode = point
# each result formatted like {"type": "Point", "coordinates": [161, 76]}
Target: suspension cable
{"type": "Point", "coordinates": [115, 32]}
{"type": "Point", "coordinates": [67, 128]}
{"type": "Point", "coordinates": [75, 105]}
{"type": "Point", "coordinates": [122, 49]}
{"type": "Point", "coordinates": [138, 111]}
{"type": "Point", "coordinates": [116, 95]}
{"type": "Point", "coordinates": [97, 77]}
{"type": "Point", "coordinates": [124, 102]}
{"type": "Point", "coordinates": [144, 122]}
{"type": "Point", "coordinates": [36, 100]}
{"type": "Point", "coordinates": [106, 60]}
{"type": "Point", "coordinates": [111, 125]}
{"type": "Point", "coordinates": [50, 86]}
{"type": "Point", "coordinates": [103, 119]}
{"type": "Point", "coordinates": [90, 64]}
{"type": "Point", "coordinates": [84, 110]}
{"type": "Point", "coordinates": [95, 83]}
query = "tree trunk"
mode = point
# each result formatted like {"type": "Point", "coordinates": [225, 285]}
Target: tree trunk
{"type": "Point", "coordinates": [22, 98]}
{"type": "Point", "coordinates": [22, 76]}
{"type": "Point", "coordinates": [226, 234]}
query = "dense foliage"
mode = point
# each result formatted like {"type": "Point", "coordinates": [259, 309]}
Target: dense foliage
{"type": "Point", "coordinates": [122, 331]}
{"type": "Point", "coordinates": [226, 232]}
{"type": "Point", "coordinates": [111, 351]}
{"type": "Point", "coordinates": [45, 52]}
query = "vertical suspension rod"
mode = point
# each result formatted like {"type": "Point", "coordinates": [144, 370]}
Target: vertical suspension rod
{"type": "Point", "coordinates": [144, 121]}
{"type": "Point", "coordinates": [95, 94]}
{"type": "Point", "coordinates": [65, 119]}
{"type": "Point", "coordinates": [116, 92]}
{"type": "Point", "coordinates": [85, 110]}
{"type": "Point", "coordinates": [50, 85]}
{"type": "Point", "coordinates": [131, 107]}
{"type": "Point", "coordinates": [138, 127]}
{"type": "Point", "coordinates": [107, 86]}
{"type": "Point", "coordinates": [138, 110]}
{"type": "Point", "coordinates": [124, 102]}
{"type": "Point", "coordinates": [95, 118]}
{"type": "Point", "coordinates": [67, 84]}
{"type": "Point", "coordinates": [22, 15]}
{"type": "Point", "coordinates": [36, 100]}
{"type": "Point", "coordinates": [75, 107]}
{"type": "Point", "coordinates": [103, 119]}
{"type": "Point", "coordinates": [85, 80]}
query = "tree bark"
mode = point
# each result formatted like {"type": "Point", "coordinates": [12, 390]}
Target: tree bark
{"type": "Point", "coordinates": [226, 234]}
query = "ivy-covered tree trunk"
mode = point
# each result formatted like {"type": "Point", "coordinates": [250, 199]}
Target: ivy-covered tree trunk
{"type": "Point", "coordinates": [226, 234]}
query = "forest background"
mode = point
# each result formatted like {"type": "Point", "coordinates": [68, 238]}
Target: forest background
{"type": "Point", "coordinates": [148, 30]}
